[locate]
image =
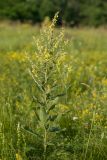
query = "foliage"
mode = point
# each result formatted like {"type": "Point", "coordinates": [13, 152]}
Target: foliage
{"type": "Point", "coordinates": [72, 12]}
{"type": "Point", "coordinates": [76, 105]}
{"type": "Point", "coordinates": [47, 71]}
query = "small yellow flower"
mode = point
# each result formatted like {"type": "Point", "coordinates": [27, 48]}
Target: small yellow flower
{"type": "Point", "coordinates": [98, 117]}
{"type": "Point", "coordinates": [94, 94]}
{"type": "Point", "coordinates": [92, 106]}
{"type": "Point", "coordinates": [104, 82]}
{"type": "Point", "coordinates": [85, 112]}
{"type": "Point", "coordinates": [69, 69]}
{"type": "Point", "coordinates": [18, 156]}
{"type": "Point", "coordinates": [61, 59]}
{"type": "Point", "coordinates": [46, 56]}
{"type": "Point", "coordinates": [17, 56]}
{"type": "Point", "coordinates": [63, 107]}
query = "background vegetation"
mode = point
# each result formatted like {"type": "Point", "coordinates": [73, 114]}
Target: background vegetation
{"type": "Point", "coordinates": [72, 12]}
{"type": "Point", "coordinates": [53, 81]}
{"type": "Point", "coordinates": [79, 120]}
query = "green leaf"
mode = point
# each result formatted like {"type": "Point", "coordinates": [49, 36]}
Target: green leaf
{"type": "Point", "coordinates": [53, 101]}
{"type": "Point", "coordinates": [54, 129]}
{"type": "Point", "coordinates": [37, 83]}
{"type": "Point", "coordinates": [59, 95]}
{"type": "Point", "coordinates": [50, 144]}
{"type": "Point", "coordinates": [29, 148]}
{"type": "Point", "coordinates": [38, 101]}
{"type": "Point", "coordinates": [31, 132]}
{"type": "Point", "coordinates": [42, 115]}
{"type": "Point", "coordinates": [52, 117]}
{"type": "Point", "coordinates": [51, 108]}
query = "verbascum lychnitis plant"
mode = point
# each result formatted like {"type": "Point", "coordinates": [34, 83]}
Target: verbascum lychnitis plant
{"type": "Point", "coordinates": [50, 70]}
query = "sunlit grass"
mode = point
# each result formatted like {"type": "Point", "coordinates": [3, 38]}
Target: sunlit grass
{"type": "Point", "coordinates": [84, 127]}
{"type": "Point", "coordinates": [14, 37]}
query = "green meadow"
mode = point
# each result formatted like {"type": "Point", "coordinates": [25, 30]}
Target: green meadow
{"type": "Point", "coordinates": [53, 97]}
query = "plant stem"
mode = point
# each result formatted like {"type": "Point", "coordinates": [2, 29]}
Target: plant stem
{"type": "Point", "coordinates": [45, 143]}
{"type": "Point", "coordinates": [89, 136]}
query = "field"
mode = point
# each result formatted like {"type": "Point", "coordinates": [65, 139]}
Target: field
{"type": "Point", "coordinates": [53, 106]}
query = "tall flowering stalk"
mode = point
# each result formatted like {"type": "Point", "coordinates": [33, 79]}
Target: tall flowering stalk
{"type": "Point", "coordinates": [49, 71]}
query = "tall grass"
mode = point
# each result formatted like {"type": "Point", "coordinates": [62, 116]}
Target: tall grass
{"type": "Point", "coordinates": [59, 110]}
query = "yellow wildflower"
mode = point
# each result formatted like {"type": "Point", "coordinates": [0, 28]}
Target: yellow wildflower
{"type": "Point", "coordinates": [104, 82]}
{"type": "Point", "coordinates": [63, 107]}
{"type": "Point", "coordinates": [98, 117]}
{"type": "Point", "coordinates": [18, 156]}
{"type": "Point", "coordinates": [94, 94]}
{"type": "Point", "coordinates": [85, 112]}
{"type": "Point", "coordinates": [17, 56]}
